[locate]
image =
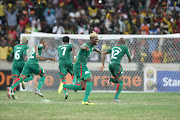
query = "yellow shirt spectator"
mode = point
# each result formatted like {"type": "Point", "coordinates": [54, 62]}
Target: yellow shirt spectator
{"type": "Point", "coordinates": [3, 52]}
{"type": "Point", "coordinates": [2, 10]}
{"type": "Point", "coordinates": [92, 11]}
{"type": "Point", "coordinates": [170, 26]}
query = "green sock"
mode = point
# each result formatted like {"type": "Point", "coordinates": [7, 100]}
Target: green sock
{"type": "Point", "coordinates": [28, 78]}
{"type": "Point", "coordinates": [114, 80]}
{"type": "Point", "coordinates": [74, 87]}
{"type": "Point", "coordinates": [64, 81]}
{"type": "Point", "coordinates": [88, 90]}
{"type": "Point", "coordinates": [16, 83]}
{"type": "Point", "coordinates": [119, 89]}
{"type": "Point", "coordinates": [41, 82]}
{"type": "Point", "coordinates": [74, 80]}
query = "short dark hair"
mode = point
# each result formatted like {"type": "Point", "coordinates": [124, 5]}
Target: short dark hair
{"type": "Point", "coordinates": [122, 41]}
{"type": "Point", "coordinates": [65, 39]}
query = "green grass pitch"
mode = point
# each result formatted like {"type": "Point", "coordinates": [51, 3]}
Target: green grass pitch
{"type": "Point", "coordinates": [157, 106]}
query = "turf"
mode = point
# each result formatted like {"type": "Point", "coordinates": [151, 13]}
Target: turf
{"type": "Point", "coordinates": [157, 106]}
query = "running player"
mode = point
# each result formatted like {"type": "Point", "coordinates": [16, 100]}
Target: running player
{"type": "Point", "coordinates": [20, 57]}
{"type": "Point", "coordinates": [32, 67]}
{"type": "Point", "coordinates": [81, 71]}
{"type": "Point", "coordinates": [117, 53]}
{"type": "Point", "coordinates": [65, 62]}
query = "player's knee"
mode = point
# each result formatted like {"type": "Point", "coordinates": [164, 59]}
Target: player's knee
{"type": "Point", "coordinates": [120, 78]}
{"type": "Point", "coordinates": [23, 77]}
{"type": "Point", "coordinates": [44, 75]}
{"type": "Point", "coordinates": [89, 79]}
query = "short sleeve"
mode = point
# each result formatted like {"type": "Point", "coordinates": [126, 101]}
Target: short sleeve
{"type": "Point", "coordinates": [109, 50]}
{"type": "Point", "coordinates": [85, 45]}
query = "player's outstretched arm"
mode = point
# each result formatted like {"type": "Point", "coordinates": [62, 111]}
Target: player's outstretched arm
{"type": "Point", "coordinates": [25, 58]}
{"type": "Point", "coordinates": [103, 59]}
{"type": "Point", "coordinates": [84, 47]}
{"type": "Point", "coordinates": [74, 53]}
{"type": "Point", "coordinates": [44, 58]}
{"type": "Point", "coordinates": [36, 50]}
{"type": "Point", "coordinates": [97, 50]}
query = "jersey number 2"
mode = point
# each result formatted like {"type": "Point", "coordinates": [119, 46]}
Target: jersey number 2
{"type": "Point", "coordinates": [64, 50]}
{"type": "Point", "coordinates": [115, 53]}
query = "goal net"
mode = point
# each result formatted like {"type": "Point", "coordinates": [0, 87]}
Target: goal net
{"type": "Point", "coordinates": [155, 66]}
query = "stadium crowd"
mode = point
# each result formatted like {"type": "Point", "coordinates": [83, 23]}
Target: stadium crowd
{"type": "Point", "coordinates": [102, 16]}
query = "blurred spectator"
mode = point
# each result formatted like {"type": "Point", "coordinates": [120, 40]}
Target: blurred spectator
{"type": "Point", "coordinates": [82, 29]}
{"type": "Point", "coordinates": [11, 17]}
{"type": "Point", "coordinates": [157, 56]}
{"type": "Point", "coordinates": [2, 14]}
{"type": "Point", "coordinates": [58, 29]}
{"type": "Point", "coordinates": [36, 24]}
{"type": "Point", "coordinates": [13, 33]}
{"type": "Point", "coordinates": [46, 28]}
{"type": "Point", "coordinates": [59, 12]}
{"type": "Point", "coordinates": [3, 52]}
{"type": "Point", "coordinates": [143, 55]}
{"type": "Point", "coordinates": [145, 28]}
{"type": "Point", "coordinates": [49, 9]}
{"type": "Point", "coordinates": [50, 18]}
{"type": "Point", "coordinates": [22, 24]}
{"type": "Point", "coordinates": [153, 30]}
{"type": "Point", "coordinates": [171, 55]}
{"type": "Point", "coordinates": [122, 26]}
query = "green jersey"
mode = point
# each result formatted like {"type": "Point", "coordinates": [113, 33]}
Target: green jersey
{"type": "Point", "coordinates": [19, 51]}
{"type": "Point", "coordinates": [83, 55]}
{"type": "Point", "coordinates": [32, 56]}
{"type": "Point", "coordinates": [117, 53]}
{"type": "Point", "coordinates": [64, 51]}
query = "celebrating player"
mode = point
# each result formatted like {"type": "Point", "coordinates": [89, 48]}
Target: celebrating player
{"type": "Point", "coordinates": [32, 67]}
{"type": "Point", "coordinates": [117, 53]}
{"type": "Point", "coordinates": [81, 71]}
{"type": "Point", "coordinates": [65, 62]}
{"type": "Point", "coordinates": [20, 57]}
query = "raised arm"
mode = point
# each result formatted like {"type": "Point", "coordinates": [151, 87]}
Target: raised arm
{"type": "Point", "coordinates": [74, 54]}
{"type": "Point", "coordinates": [97, 50]}
{"type": "Point", "coordinates": [84, 47]}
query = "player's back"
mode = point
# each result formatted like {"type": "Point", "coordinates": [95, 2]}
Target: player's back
{"type": "Point", "coordinates": [19, 51]}
{"type": "Point", "coordinates": [64, 52]}
{"type": "Point", "coordinates": [32, 55]}
{"type": "Point", "coordinates": [117, 53]}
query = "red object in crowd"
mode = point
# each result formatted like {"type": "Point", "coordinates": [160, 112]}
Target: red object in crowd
{"type": "Point", "coordinates": [13, 33]}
